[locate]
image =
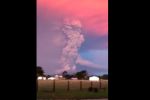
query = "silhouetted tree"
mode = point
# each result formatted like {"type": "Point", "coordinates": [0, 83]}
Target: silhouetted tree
{"type": "Point", "coordinates": [82, 74]}
{"type": "Point", "coordinates": [105, 76]}
{"type": "Point", "coordinates": [40, 71]}
{"type": "Point", "coordinates": [48, 76]}
{"type": "Point", "coordinates": [64, 73]}
{"type": "Point", "coordinates": [68, 76]}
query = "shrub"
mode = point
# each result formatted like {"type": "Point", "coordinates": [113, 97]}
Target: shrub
{"type": "Point", "coordinates": [90, 89]}
{"type": "Point", "coordinates": [95, 90]}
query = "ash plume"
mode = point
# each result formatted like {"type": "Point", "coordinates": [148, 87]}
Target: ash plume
{"type": "Point", "coordinates": [74, 38]}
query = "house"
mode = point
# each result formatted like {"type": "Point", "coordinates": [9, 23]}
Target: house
{"type": "Point", "coordinates": [41, 78]}
{"type": "Point", "coordinates": [55, 77]}
{"type": "Point", "coordinates": [44, 78]}
{"type": "Point", "coordinates": [51, 78]}
{"type": "Point", "coordinates": [94, 78]}
{"type": "Point", "coordinates": [58, 76]}
{"type": "Point", "coordinates": [74, 78]}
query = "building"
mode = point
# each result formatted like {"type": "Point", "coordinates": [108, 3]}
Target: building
{"type": "Point", "coordinates": [51, 78]}
{"type": "Point", "coordinates": [74, 78]}
{"type": "Point", "coordinates": [94, 78]}
{"type": "Point", "coordinates": [41, 78]}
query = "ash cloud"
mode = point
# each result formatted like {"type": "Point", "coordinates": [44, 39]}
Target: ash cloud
{"type": "Point", "coordinates": [72, 31]}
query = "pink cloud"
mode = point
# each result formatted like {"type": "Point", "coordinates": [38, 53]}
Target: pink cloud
{"type": "Point", "coordinates": [92, 13]}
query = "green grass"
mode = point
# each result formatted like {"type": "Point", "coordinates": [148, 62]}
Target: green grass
{"type": "Point", "coordinates": [72, 95]}
{"type": "Point", "coordinates": [45, 90]}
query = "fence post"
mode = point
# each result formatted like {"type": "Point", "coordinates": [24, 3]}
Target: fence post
{"type": "Point", "coordinates": [91, 84]}
{"type": "Point", "coordinates": [81, 85]}
{"type": "Point", "coordinates": [100, 84]}
{"type": "Point", "coordinates": [53, 85]}
{"type": "Point", "coordinates": [68, 88]}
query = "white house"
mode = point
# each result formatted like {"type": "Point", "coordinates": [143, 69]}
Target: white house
{"type": "Point", "coordinates": [60, 76]}
{"type": "Point", "coordinates": [51, 78]}
{"type": "Point", "coordinates": [44, 78]}
{"type": "Point", "coordinates": [74, 78]}
{"type": "Point", "coordinates": [41, 78]}
{"type": "Point", "coordinates": [56, 76]}
{"type": "Point", "coordinates": [94, 78]}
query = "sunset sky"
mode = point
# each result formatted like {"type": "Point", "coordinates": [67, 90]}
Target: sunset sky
{"type": "Point", "coordinates": [92, 14]}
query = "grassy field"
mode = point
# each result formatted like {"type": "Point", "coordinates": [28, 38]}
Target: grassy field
{"type": "Point", "coordinates": [45, 89]}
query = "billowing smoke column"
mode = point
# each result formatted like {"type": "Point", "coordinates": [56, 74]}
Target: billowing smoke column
{"type": "Point", "coordinates": [72, 31]}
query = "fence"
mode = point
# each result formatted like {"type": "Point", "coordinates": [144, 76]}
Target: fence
{"type": "Point", "coordinates": [68, 85]}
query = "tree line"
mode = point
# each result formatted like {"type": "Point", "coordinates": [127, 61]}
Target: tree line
{"type": "Point", "coordinates": [80, 75]}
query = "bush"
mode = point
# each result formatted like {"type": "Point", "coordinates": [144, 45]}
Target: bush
{"type": "Point", "coordinates": [95, 90]}
{"type": "Point", "coordinates": [90, 89]}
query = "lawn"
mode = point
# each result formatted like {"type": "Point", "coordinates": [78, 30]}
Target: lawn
{"type": "Point", "coordinates": [45, 90]}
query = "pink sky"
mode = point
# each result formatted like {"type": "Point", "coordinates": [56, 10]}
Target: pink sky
{"type": "Point", "coordinates": [92, 13]}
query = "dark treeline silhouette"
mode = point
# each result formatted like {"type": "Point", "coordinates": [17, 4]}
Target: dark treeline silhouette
{"type": "Point", "coordinates": [40, 71]}
{"type": "Point", "coordinates": [80, 75]}
{"type": "Point", "coordinates": [105, 76]}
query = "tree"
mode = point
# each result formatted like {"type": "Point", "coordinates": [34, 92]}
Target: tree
{"type": "Point", "coordinates": [48, 76]}
{"type": "Point", "coordinates": [40, 71]}
{"type": "Point", "coordinates": [82, 74]}
{"type": "Point", "coordinates": [105, 76]}
{"type": "Point", "coordinates": [68, 76]}
{"type": "Point", "coordinates": [79, 75]}
{"type": "Point", "coordinates": [64, 73]}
